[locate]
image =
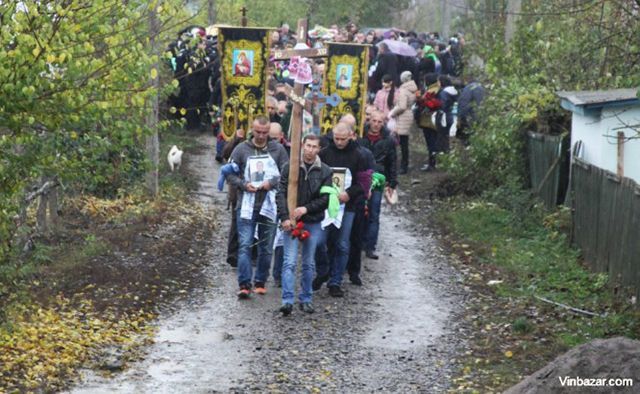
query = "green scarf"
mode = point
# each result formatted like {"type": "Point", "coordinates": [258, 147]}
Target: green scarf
{"type": "Point", "coordinates": [334, 203]}
{"type": "Point", "coordinates": [378, 181]}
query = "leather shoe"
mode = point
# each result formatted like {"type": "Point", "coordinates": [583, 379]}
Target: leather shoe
{"type": "Point", "coordinates": [371, 255]}
{"type": "Point", "coordinates": [286, 309]}
{"type": "Point", "coordinates": [318, 281]}
{"type": "Point", "coordinates": [307, 307]}
{"type": "Point", "coordinates": [336, 291]}
{"type": "Point", "coordinates": [355, 280]}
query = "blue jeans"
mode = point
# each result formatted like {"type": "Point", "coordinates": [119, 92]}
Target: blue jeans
{"type": "Point", "coordinates": [333, 253]}
{"type": "Point", "coordinates": [278, 260]}
{"type": "Point", "coordinates": [308, 263]}
{"type": "Point", "coordinates": [373, 223]}
{"type": "Point", "coordinates": [246, 230]}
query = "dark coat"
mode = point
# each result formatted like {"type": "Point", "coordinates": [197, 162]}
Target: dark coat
{"type": "Point", "coordinates": [309, 185]}
{"type": "Point", "coordinates": [384, 154]}
{"type": "Point", "coordinates": [387, 64]}
{"type": "Point", "coordinates": [350, 158]}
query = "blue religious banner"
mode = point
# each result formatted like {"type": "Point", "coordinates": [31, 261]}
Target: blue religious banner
{"type": "Point", "coordinates": [346, 76]}
{"type": "Point", "coordinates": [245, 55]}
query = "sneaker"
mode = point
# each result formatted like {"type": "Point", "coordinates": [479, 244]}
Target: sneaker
{"type": "Point", "coordinates": [307, 307]}
{"type": "Point", "coordinates": [244, 293]}
{"type": "Point", "coordinates": [260, 289]}
{"type": "Point", "coordinates": [371, 255]}
{"type": "Point", "coordinates": [355, 279]}
{"type": "Point", "coordinates": [318, 281]}
{"type": "Point", "coordinates": [336, 291]}
{"type": "Point", "coordinates": [286, 309]}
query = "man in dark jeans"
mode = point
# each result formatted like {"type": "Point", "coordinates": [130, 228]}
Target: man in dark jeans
{"type": "Point", "coordinates": [341, 152]}
{"type": "Point", "coordinates": [381, 144]}
{"type": "Point", "coordinates": [357, 238]}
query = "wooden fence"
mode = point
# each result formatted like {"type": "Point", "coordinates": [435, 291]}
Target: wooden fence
{"type": "Point", "coordinates": [548, 167]}
{"type": "Point", "coordinates": [606, 222]}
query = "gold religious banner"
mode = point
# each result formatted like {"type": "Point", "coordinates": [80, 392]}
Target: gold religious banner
{"type": "Point", "coordinates": [244, 58]}
{"type": "Point", "coordinates": [346, 74]}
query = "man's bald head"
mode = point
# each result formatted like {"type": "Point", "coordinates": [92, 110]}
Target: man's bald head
{"type": "Point", "coordinates": [349, 119]}
{"type": "Point", "coordinates": [341, 135]}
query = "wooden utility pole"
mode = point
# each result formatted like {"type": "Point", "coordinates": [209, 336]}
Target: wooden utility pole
{"type": "Point", "coordinates": [445, 9]}
{"type": "Point", "coordinates": [513, 14]}
{"type": "Point", "coordinates": [152, 143]}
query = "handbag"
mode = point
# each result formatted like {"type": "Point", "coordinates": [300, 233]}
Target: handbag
{"type": "Point", "coordinates": [425, 120]}
{"type": "Point", "coordinates": [392, 124]}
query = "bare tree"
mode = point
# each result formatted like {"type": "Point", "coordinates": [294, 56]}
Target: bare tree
{"type": "Point", "coordinates": [152, 143]}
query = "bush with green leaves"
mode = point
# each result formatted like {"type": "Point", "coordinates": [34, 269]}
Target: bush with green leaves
{"type": "Point", "coordinates": [583, 46]}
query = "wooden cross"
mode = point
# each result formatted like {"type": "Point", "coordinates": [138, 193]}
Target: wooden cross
{"type": "Point", "coordinates": [296, 93]}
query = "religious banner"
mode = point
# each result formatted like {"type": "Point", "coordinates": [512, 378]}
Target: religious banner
{"type": "Point", "coordinates": [245, 54]}
{"type": "Point", "coordinates": [346, 75]}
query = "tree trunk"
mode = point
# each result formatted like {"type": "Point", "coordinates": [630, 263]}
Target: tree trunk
{"type": "Point", "coordinates": [152, 143]}
{"type": "Point", "coordinates": [513, 14]}
{"type": "Point", "coordinates": [445, 9]}
{"type": "Point", "coordinates": [211, 12]}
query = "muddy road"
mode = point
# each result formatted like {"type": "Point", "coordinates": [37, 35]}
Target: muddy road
{"type": "Point", "coordinates": [397, 333]}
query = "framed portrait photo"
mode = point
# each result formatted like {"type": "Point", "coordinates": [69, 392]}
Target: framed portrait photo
{"type": "Point", "coordinates": [259, 169]}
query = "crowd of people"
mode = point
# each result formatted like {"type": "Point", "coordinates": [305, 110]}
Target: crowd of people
{"type": "Point", "coordinates": [344, 177]}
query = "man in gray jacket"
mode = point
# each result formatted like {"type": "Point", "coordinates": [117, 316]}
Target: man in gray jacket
{"type": "Point", "coordinates": [254, 205]}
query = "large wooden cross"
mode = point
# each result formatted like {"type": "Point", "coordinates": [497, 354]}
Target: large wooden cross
{"type": "Point", "coordinates": [296, 94]}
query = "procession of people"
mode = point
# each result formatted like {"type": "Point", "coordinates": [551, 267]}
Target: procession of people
{"type": "Point", "coordinates": [414, 81]}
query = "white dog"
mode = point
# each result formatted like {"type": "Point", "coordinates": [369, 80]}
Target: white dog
{"type": "Point", "coordinates": [174, 158]}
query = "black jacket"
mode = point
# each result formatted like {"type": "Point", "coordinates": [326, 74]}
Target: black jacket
{"type": "Point", "coordinates": [350, 158]}
{"type": "Point", "coordinates": [309, 185]}
{"type": "Point", "coordinates": [387, 64]}
{"type": "Point", "coordinates": [384, 153]}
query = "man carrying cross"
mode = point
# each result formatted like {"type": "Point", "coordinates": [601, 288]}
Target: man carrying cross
{"type": "Point", "coordinates": [309, 212]}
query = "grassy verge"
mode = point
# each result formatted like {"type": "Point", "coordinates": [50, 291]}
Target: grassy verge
{"type": "Point", "coordinates": [512, 260]}
{"type": "Point", "coordinates": [97, 281]}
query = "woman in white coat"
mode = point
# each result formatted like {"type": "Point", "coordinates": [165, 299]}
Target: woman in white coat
{"type": "Point", "coordinates": [403, 115]}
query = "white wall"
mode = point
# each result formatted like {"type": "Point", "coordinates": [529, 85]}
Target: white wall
{"type": "Point", "coordinates": [599, 139]}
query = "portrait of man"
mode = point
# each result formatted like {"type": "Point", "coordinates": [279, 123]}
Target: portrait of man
{"type": "Point", "coordinates": [258, 174]}
{"type": "Point", "coordinates": [242, 63]}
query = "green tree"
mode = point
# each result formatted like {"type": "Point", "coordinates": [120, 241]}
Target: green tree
{"type": "Point", "coordinates": [74, 85]}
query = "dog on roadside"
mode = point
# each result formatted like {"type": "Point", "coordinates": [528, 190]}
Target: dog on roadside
{"type": "Point", "coordinates": [174, 158]}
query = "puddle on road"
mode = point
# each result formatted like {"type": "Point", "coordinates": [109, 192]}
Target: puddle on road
{"type": "Point", "coordinates": [193, 351]}
{"type": "Point", "coordinates": [411, 314]}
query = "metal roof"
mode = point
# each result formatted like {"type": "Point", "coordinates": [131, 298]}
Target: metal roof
{"type": "Point", "coordinates": [592, 102]}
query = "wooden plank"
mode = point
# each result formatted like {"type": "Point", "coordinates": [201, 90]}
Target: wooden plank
{"type": "Point", "coordinates": [294, 160]}
{"type": "Point", "coordinates": [286, 54]}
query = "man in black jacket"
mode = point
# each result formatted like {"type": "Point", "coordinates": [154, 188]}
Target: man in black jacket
{"type": "Point", "coordinates": [341, 152]}
{"type": "Point", "coordinates": [383, 147]}
{"type": "Point", "coordinates": [310, 210]}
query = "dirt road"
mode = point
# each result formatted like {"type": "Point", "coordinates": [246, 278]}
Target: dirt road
{"type": "Point", "coordinates": [396, 333]}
